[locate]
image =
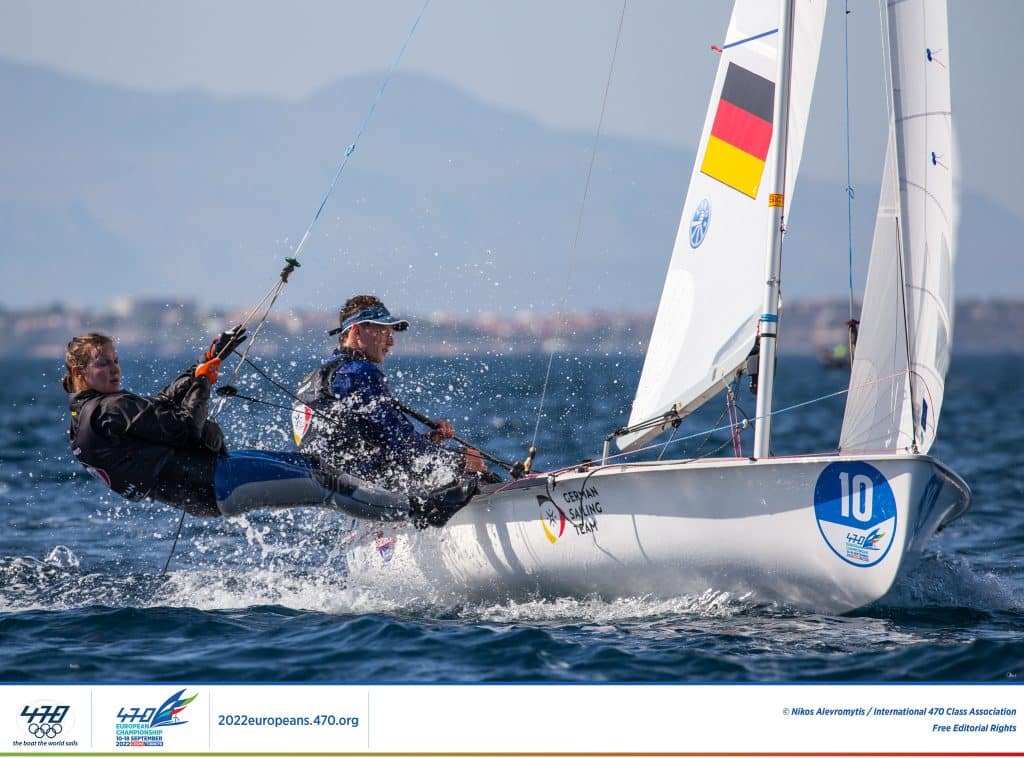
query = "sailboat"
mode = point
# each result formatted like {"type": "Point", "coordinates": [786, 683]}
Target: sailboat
{"type": "Point", "coordinates": [828, 532]}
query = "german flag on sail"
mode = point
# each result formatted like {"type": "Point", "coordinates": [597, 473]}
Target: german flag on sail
{"type": "Point", "coordinates": [742, 131]}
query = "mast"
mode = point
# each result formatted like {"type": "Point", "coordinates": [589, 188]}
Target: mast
{"type": "Point", "coordinates": [768, 325]}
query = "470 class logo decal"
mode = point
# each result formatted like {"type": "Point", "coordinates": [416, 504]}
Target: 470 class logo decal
{"type": "Point", "coordinates": [856, 512]}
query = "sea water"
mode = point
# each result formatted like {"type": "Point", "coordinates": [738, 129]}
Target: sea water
{"type": "Point", "coordinates": [267, 597]}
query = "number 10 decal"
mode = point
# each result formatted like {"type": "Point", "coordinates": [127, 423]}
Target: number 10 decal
{"type": "Point", "coordinates": [856, 512]}
{"type": "Point", "coordinates": [856, 495]}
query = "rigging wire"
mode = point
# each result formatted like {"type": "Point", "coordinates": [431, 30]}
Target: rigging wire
{"type": "Point", "coordinates": [852, 323]}
{"type": "Point", "coordinates": [579, 226]}
{"type": "Point", "coordinates": [850, 193]}
{"type": "Point", "coordinates": [230, 391]}
{"type": "Point", "coordinates": [174, 545]}
{"type": "Point", "coordinates": [731, 425]}
{"type": "Point", "coordinates": [672, 436]}
{"type": "Point", "coordinates": [746, 421]}
{"type": "Point", "coordinates": [293, 261]}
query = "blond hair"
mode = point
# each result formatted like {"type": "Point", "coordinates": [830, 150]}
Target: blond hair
{"type": "Point", "coordinates": [79, 353]}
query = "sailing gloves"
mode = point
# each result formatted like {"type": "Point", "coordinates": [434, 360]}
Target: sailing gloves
{"type": "Point", "coordinates": [224, 343]}
{"type": "Point", "coordinates": [221, 346]}
{"type": "Point", "coordinates": [209, 369]}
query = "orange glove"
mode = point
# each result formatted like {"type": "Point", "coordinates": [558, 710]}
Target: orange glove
{"type": "Point", "coordinates": [209, 370]}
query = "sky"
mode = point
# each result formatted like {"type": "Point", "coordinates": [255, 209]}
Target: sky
{"type": "Point", "coordinates": [548, 59]}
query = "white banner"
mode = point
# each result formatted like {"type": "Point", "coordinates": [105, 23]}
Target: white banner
{"type": "Point", "coordinates": [526, 719]}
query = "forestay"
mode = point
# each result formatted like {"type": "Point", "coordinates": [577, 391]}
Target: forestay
{"type": "Point", "coordinates": [707, 318]}
{"type": "Point", "coordinates": [899, 371]}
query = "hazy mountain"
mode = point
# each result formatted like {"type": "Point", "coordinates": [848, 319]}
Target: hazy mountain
{"type": "Point", "coordinates": [446, 204]}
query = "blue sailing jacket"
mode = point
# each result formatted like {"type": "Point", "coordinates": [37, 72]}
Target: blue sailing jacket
{"type": "Point", "coordinates": [356, 426]}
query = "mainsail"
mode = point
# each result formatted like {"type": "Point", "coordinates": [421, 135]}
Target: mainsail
{"type": "Point", "coordinates": [707, 318]}
{"type": "Point", "coordinates": [899, 371]}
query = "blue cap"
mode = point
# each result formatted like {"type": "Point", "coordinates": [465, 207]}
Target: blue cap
{"type": "Point", "coordinates": [374, 314]}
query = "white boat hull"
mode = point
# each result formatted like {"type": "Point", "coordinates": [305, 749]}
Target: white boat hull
{"type": "Point", "coordinates": [826, 533]}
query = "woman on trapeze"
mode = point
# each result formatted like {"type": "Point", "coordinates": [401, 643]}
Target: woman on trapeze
{"type": "Point", "coordinates": [166, 448]}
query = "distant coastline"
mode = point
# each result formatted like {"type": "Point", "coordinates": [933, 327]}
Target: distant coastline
{"type": "Point", "coordinates": [165, 327]}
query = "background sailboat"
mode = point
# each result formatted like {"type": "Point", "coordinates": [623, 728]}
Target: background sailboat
{"type": "Point", "coordinates": [829, 532]}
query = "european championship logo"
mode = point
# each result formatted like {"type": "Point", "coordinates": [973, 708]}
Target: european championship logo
{"type": "Point", "coordinates": [144, 726]}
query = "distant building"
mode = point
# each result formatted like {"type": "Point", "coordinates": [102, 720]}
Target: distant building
{"type": "Point", "coordinates": [177, 326]}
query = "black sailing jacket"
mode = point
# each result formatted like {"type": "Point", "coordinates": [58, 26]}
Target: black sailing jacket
{"type": "Point", "coordinates": [163, 448]}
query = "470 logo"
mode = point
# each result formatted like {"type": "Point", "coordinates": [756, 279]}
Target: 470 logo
{"type": "Point", "coordinates": [44, 721]}
{"type": "Point", "coordinates": [135, 715]}
{"type": "Point", "coordinates": [166, 715]}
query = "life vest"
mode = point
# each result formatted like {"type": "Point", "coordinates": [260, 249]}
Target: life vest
{"type": "Point", "coordinates": [314, 396]}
